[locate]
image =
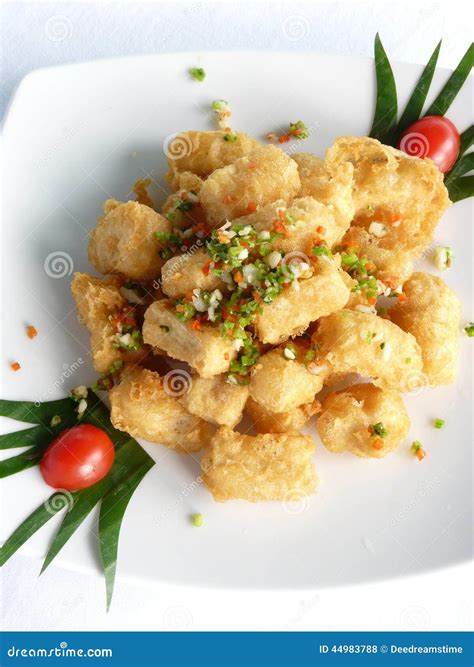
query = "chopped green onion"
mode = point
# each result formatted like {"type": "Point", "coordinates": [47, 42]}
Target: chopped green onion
{"type": "Point", "coordinates": [197, 520]}
{"type": "Point", "coordinates": [197, 73]}
{"type": "Point", "coordinates": [378, 429]}
{"type": "Point", "coordinates": [438, 423]}
{"type": "Point", "coordinates": [469, 329]}
{"type": "Point", "coordinates": [55, 421]}
{"type": "Point", "coordinates": [230, 137]}
{"type": "Point", "coordinates": [298, 130]}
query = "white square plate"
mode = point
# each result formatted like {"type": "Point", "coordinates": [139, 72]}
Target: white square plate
{"type": "Point", "coordinates": [78, 134]}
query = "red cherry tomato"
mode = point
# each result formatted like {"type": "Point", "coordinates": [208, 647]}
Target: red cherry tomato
{"type": "Point", "coordinates": [79, 457]}
{"type": "Point", "coordinates": [435, 137]}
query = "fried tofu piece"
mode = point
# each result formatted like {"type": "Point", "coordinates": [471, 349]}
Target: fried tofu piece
{"type": "Point", "coordinates": [203, 349]}
{"type": "Point", "coordinates": [201, 153]}
{"type": "Point", "coordinates": [329, 184]}
{"type": "Point", "coordinates": [306, 221]}
{"type": "Point", "coordinates": [354, 342]}
{"type": "Point", "coordinates": [184, 273]}
{"type": "Point", "coordinates": [393, 264]}
{"type": "Point", "coordinates": [292, 421]}
{"type": "Point", "coordinates": [264, 467]}
{"type": "Point", "coordinates": [293, 309]}
{"type": "Point", "coordinates": [348, 418]}
{"type": "Point", "coordinates": [391, 187]}
{"type": "Point", "coordinates": [215, 400]}
{"type": "Point", "coordinates": [280, 384]}
{"type": "Point", "coordinates": [123, 241]}
{"type": "Point", "coordinates": [252, 181]}
{"type": "Point", "coordinates": [97, 299]}
{"type": "Point", "coordinates": [432, 314]}
{"type": "Point", "coordinates": [143, 406]}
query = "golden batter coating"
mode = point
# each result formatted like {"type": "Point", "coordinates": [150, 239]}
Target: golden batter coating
{"type": "Point", "coordinates": [354, 342]}
{"type": "Point", "coordinates": [143, 405]}
{"type": "Point", "coordinates": [264, 467]}
{"type": "Point", "coordinates": [201, 153]}
{"type": "Point", "coordinates": [292, 421]}
{"type": "Point", "coordinates": [216, 400]}
{"type": "Point", "coordinates": [252, 181]}
{"type": "Point", "coordinates": [280, 384]}
{"type": "Point", "coordinates": [364, 420]}
{"type": "Point", "coordinates": [124, 240]}
{"type": "Point", "coordinates": [204, 349]}
{"type": "Point", "coordinates": [329, 184]}
{"type": "Point", "coordinates": [294, 309]}
{"type": "Point", "coordinates": [184, 273]}
{"type": "Point", "coordinates": [97, 299]}
{"type": "Point", "coordinates": [306, 222]}
{"type": "Point", "coordinates": [432, 314]}
{"type": "Point", "coordinates": [406, 195]}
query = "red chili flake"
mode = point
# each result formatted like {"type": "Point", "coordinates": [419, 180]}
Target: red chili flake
{"type": "Point", "coordinates": [283, 138]}
{"type": "Point", "coordinates": [320, 229]}
{"type": "Point", "coordinates": [31, 331]}
{"type": "Point", "coordinates": [196, 325]}
{"type": "Point", "coordinates": [15, 366]}
{"type": "Point", "coordinates": [402, 297]}
{"type": "Point", "coordinates": [206, 268]}
{"type": "Point", "coordinates": [377, 444]}
{"type": "Point", "coordinates": [251, 207]}
{"type": "Point", "coordinates": [252, 166]}
{"type": "Point", "coordinates": [280, 228]}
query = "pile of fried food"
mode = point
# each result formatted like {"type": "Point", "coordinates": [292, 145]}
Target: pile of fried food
{"type": "Point", "coordinates": [271, 279]}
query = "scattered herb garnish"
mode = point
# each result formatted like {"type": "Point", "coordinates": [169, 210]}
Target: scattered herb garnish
{"type": "Point", "coordinates": [197, 73]}
{"type": "Point", "coordinates": [417, 450]}
{"type": "Point", "coordinates": [378, 429]}
{"type": "Point", "coordinates": [469, 329]}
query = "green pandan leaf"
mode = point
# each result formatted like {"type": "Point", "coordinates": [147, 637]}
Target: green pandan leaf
{"type": "Point", "coordinates": [415, 104]}
{"type": "Point", "coordinates": [453, 85]}
{"type": "Point", "coordinates": [461, 188]}
{"type": "Point", "coordinates": [54, 504]}
{"type": "Point", "coordinates": [24, 438]}
{"type": "Point", "coordinates": [467, 139]}
{"type": "Point", "coordinates": [20, 462]}
{"type": "Point", "coordinates": [385, 117]}
{"type": "Point", "coordinates": [112, 511]}
{"type": "Point", "coordinates": [36, 412]}
{"type": "Point", "coordinates": [462, 166]}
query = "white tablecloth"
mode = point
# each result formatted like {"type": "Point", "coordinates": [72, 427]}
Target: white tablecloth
{"type": "Point", "coordinates": [51, 33]}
